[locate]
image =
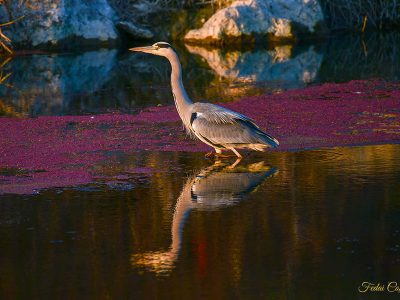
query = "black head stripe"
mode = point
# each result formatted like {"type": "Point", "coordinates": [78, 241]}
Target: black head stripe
{"type": "Point", "coordinates": [163, 45]}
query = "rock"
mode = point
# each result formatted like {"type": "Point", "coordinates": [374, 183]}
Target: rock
{"type": "Point", "coordinates": [277, 19]}
{"type": "Point", "coordinates": [134, 30]}
{"type": "Point", "coordinates": [262, 65]}
{"type": "Point", "coordinates": [55, 22]}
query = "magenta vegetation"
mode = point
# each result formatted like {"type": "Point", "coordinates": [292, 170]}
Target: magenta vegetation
{"type": "Point", "coordinates": [62, 151]}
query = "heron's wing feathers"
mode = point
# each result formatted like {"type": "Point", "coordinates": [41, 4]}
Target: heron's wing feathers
{"type": "Point", "coordinates": [221, 126]}
{"type": "Point", "coordinates": [218, 114]}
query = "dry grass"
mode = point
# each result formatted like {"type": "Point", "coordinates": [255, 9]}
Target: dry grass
{"type": "Point", "coordinates": [359, 14]}
{"type": "Point", "coordinates": [4, 75]}
{"type": "Point", "coordinates": [5, 44]}
{"type": "Point", "coordinates": [5, 41]}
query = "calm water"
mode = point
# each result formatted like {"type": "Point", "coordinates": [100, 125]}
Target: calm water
{"type": "Point", "coordinates": [298, 225]}
{"type": "Point", "coordinates": [115, 80]}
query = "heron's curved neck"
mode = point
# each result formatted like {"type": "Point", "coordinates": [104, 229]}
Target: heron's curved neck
{"type": "Point", "coordinates": [182, 100]}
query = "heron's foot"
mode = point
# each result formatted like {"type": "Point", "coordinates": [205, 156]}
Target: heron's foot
{"type": "Point", "coordinates": [220, 155]}
{"type": "Point", "coordinates": [213, 154]}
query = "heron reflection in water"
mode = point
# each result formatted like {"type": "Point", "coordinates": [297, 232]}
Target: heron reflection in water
{"type": "Point", "coordinates": [214, 187]}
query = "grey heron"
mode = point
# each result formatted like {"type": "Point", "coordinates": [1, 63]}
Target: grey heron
{"type": "Point", "coordinates": [214, 125]}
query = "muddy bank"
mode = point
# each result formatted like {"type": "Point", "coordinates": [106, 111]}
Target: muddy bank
{"type": "Point", "coordinates": [64, 151]}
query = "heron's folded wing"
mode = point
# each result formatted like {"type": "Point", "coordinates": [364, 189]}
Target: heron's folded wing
{"type": "Point", "coordinates": [220, 129]}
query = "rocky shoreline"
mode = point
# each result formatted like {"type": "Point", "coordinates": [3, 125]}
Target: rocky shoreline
{"type": "Point", "coordinates": [65, 24]}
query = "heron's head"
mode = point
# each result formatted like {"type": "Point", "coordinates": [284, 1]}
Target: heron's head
{"type": "Point", "coordinates": [159, 48]}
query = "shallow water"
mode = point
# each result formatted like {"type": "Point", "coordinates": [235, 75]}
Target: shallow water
{"type": "Point", "coordinates": [307, 224]}
{"type": "Point", "coordinates": [115, 80]}
{"type": "Point", "coordinates": [173, 225]}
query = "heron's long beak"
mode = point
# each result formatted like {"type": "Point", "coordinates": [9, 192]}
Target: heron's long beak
{"type": "Point", "coordinates": [147, 49]}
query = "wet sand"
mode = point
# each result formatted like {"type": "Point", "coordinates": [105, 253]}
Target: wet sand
{"type": "Point", "coordinates": [60, 151]}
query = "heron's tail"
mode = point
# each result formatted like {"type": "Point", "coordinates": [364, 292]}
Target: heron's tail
{"type": "Point", "coordinates": [268, 139]}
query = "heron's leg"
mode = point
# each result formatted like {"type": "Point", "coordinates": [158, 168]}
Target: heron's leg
{"type": "Point", "coordinates": [219, 153]}
{"type": "Point", "coordinates": [236, 152]}
{"type": "Point", "coordinates": [212, 154]}
{"type": "Point", "coordinates": [232, 166]}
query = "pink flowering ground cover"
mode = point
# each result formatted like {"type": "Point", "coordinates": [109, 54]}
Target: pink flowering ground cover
{"type": "Point", "coordinates": [59, 151]}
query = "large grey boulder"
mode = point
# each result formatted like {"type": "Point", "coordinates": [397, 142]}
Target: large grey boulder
{"type": "Point", "coordinates": [277, 19]}
{"type": "Point", "coordinates": [134, 30]}
{"type": "Point", "coordinates": [51, 22]}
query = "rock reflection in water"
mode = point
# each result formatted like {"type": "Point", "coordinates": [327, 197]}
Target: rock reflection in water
{"type": "Point", "coordinates": [375, 55]}
{"type": "Point", "coordinates": [214, 187]}
{"type": "Point", "coordinates": [47, 84]}
{"type": "Point", "coordinates": [277, 64]}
